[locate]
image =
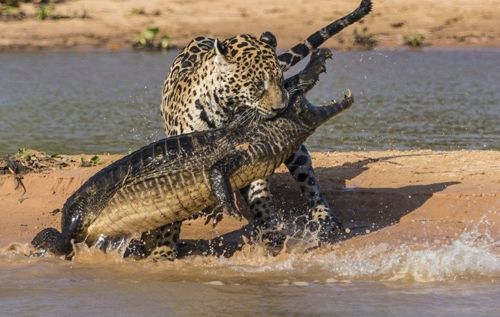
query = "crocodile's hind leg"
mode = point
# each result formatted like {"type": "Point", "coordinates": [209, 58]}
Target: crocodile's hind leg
{"type": "Point", "coordinates": [60, 243]}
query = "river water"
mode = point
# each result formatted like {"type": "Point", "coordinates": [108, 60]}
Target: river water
{"type": "Point", "coordinates": [459, 279]}
{"type": "Point", "coordinates": [102, 102]}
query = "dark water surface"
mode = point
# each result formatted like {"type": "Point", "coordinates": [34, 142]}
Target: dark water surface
{"type": "Point", "coordinates": [109, 102]}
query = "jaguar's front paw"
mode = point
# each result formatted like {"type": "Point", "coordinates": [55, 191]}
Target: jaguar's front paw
{"type": "Point", "coordinates": [135, 250]}
{"type": "Point", "coordinates": [270, 236]}
{"type": "Point", "coordinates": [322, 214]}
{"type": "Point", "coordinates": [164, 252]}
{"type": "Point", "coordinates": [274, 241]}
{"type": "Point", "coordinates": [324, 223]}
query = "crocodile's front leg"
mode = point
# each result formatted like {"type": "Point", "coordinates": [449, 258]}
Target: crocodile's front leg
{"type": "Point", "coordinates": [304, 81]}
{"type": "Point", "coordinates": [220, 183]}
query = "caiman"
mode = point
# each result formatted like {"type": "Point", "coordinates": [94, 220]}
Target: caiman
{"type": "Point", "coordinates": [173, 178]}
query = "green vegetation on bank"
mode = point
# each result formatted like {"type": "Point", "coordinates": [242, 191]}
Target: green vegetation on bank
{"type": "Point", "coordinates": [27, 160]}
{"type": "Point", "coordinates": [151, 39]}
{"type": "Point", "coordinates": [93, 161]}
{"type": "Point", "coordinates": [9, 10]}
{"type": "Point", "coordinates": [142, 11]}
{"type": "Point", "coordinates": [414, 40]}
{"type": "Point", "coordinates": [45, 10]}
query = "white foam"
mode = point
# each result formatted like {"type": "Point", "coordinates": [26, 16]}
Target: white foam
{"type": "Point", "coordinates": [216, 283]}
{"type": "Point", "coordinates": [465, 257]}
{"type": "Point", "coordinates": [471, 255]}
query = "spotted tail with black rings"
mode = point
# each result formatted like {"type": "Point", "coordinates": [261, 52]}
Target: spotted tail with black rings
{"type": "Point", "coordinates": [315, 40]}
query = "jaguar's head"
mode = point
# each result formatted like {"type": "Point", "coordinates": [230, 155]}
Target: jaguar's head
{"type": "Point", "coordinates": [251, 76]}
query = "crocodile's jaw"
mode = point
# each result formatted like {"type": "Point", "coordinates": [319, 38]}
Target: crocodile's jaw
{"type": "Point", "coordinates": [311, 116]}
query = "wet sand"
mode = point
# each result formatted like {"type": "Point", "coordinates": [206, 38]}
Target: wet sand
{"type": "Point", "coordinates": [391, 197]}
{"type": "Point", "coordinates": [113, 25]}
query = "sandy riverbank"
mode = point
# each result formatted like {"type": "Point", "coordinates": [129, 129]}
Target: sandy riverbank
{"type": "Point", "coordinates": [411, 197]}
{"type": "Point", "coordinates": [112, 24]}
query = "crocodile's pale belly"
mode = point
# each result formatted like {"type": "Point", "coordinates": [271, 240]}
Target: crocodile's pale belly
{"type": "Point", "coordinates": [165, 199]}
{"type": "Point", "coordinates": [153, 203]}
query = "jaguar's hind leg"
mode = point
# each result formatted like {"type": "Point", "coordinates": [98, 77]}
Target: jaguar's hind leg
{"type": "Point", "coordinates": [320, 214]}
{"type": "Point", "coordinates": [135, 249]}
{"type": "Point", "coordinates": [158, 244]}
{"type": "Point", "coordinates": [265, 222]}
{"type": "Point", "coordinates": [163, 241]}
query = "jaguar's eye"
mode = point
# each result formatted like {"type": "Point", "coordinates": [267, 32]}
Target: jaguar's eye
{"type": "Point", "coordinates": [261, 86]}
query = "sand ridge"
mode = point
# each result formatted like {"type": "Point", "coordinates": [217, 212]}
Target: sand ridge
{"type": "Point", "coordinates": [396, 197]}
{"type": "Point", "coordinates": [112, 24]}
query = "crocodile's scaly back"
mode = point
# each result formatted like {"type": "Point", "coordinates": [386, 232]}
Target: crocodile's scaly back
{"type": "Point", "coordinates": [97, 192]}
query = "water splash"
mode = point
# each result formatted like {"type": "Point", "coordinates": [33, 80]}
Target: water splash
{"type": "Point", "coordinates": [473, 255]}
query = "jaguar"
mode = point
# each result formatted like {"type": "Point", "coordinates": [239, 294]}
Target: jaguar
{"type": "Point", "coordinates": [209, 81]}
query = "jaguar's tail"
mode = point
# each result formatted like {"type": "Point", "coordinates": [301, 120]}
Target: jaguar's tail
{"type": "Point", "coordinates": [314, 41]}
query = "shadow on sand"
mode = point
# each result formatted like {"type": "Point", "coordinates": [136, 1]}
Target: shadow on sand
{"type": "Point", "coordinates": [362, 210]}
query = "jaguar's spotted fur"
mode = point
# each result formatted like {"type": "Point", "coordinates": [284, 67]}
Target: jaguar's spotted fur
{"type": "Point", "coordinates": [205, 84]}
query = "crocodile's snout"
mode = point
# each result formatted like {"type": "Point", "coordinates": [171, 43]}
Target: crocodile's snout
{"type": "Point", "coordinates": [313, 116]}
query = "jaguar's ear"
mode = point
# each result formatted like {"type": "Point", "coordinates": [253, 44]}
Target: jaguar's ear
{"type": "Point", "coordinates": [269, 38]}
{"type": "Point", "coordinates": [221, 52]}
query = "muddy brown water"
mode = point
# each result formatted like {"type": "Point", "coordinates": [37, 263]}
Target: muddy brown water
{"type": "Point", "coordinates": [457, 279]}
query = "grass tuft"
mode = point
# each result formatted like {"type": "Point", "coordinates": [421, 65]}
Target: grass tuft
{"type": "Point", "coordinates": [414, 40]}
{"type": "Point", "coordinates": [93, 161]}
